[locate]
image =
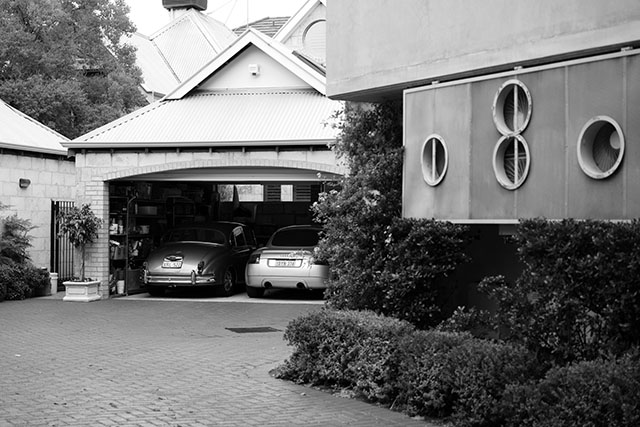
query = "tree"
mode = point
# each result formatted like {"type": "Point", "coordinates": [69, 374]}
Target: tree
{"type": "Point", "coordinates": [81, 226]}
{"type": "Point", "coordinates": [381, 262]}
{"type": "Point", "coordinates": [63, 62]}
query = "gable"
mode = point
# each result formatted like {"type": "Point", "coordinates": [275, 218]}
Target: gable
{"type": "Point", "coordinates": [241, 73]}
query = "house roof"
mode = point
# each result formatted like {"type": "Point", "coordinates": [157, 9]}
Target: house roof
{"type": "Point", "coordinates": [226, 116]}
{"type": "Point", "coordinates": [179, 49]}
{"type": "Point", "coordinates": [293, 22]}
{"type": "Point", "coordinates": [21, 132]}
{"type": "Point", "coordinates": [267, 26]}
{"type": "Point", "coordinates": [285, 56]}
{"type": "Point", "coordinates": [219, 119]}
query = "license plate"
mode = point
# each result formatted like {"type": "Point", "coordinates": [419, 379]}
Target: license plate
{"type": "Point", "coordinates": [284, 263]}
{"type": "Point", "coordinates": [171, 264]}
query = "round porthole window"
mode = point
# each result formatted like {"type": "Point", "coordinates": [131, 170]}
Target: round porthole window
{"type": "Point", "coordinates": [512, 107]}
{"type": "Point", "coordinates": [600, 147]}
{"type": "Point", "coordinates": [435, 159]}
{"type": "Point", "coordinates": [511, 161]}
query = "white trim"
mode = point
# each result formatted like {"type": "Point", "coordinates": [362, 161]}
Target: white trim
{"type": "Point", "coordinates": [498, 160]}
{"type": "Point", "coordinates": [293, 22]}
{"type": "Point", "coordinates": [520, 70]}
{"type": "Point", "coordinates": [274, 49]}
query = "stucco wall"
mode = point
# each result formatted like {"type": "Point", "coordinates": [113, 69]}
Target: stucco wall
{"type": "Point", "coordinates": [564, 99]}
{"type": "Point", "coordinates": [96, 169]}
{"type": "Point", "coordinates": [51, 179]}
{"type": "Point", "coordinates": [379, 45]}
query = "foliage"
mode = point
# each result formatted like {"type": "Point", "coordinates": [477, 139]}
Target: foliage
{"type": "Point", "coordinates": [64, 62]}
{"type": "Point", "coordinates": [578, 297]}
{"type": "Point", "coordinates": [388, 361]}
{"type": "Point", "coordinates": [379, 261]}
{"type": "Point", "coordinates": [589, 393]}
{"type": "Point", "coordinates": [345, 349]}
{"type": "Point", "coordinates": [20, 281]}
{"type": "Point", "coordinates": [80, 226]}
{"type": "Point", "coordinates": [15, 240]}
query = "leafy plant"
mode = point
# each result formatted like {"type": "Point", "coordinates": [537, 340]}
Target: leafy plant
{"type": "Point", "coordinates": [81, 226]}
{"type": "Point", "coordinates": [578, 297]}
{"type": "Point", "coordinates": [379, 261]}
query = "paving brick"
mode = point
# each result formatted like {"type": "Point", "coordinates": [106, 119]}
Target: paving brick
{"type": "Point", "coordinates": [146, 363]}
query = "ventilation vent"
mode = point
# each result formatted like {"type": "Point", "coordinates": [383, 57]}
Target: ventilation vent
{"type": "Point", "coordinates": [435, 160]}
{"type": "Point", "coordinates": [600, 147]}
{"type": "Point", "coordinates": [272, 193]}
{"type": "Point", "coordinates": [302, 193]}
{"type": "Point", "coordinates": [511, 161]}
{"type": "Point", "coordinates": [512, 108]}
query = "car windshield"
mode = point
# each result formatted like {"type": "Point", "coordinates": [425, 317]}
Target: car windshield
{"type": "Point", "coordinates": [295, 237]}
{"type": "Point", "coordinates": [196, 235]}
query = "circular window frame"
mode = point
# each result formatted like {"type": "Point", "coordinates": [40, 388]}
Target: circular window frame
{"type": "Point", "coordinates": [498, 107]}
{"type": "Point", "coordinates": [498, 162]}
{"type": "Point", "coordinates": [305, 46]}
{"type": "Point", "coordinates": [585, 147]}
{"type": "Point", "coordinates": [428, 170]}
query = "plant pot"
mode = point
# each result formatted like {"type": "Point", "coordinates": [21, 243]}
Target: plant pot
{"type": "Point", "coordinates": [81, 291]}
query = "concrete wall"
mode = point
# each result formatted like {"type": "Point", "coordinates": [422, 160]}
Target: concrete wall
{"type": "Point", "coordinates": [51, 178]}
{"type": "Point", "coordinates": [564, 99]}
{"type": "Point", "coordinates": [96, 169]}
{"type": "Point", "coordinates": [376, 47]}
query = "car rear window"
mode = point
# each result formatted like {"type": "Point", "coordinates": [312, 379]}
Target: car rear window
{"type": "Point", "coordinates": [195, 235]}
{"type": "Point", "coordinates": [295, 237]}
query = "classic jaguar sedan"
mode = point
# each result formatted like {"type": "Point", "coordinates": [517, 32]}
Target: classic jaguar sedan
{"type": "Point", "coordinates": [200, 255]}
{"type": "Point", "coordinates": [287, 262]}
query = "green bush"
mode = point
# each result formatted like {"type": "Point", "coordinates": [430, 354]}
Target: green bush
{"type": "Point", "coordinates": [591, 393]}
{"type": "Point", "coordinates": [578, 297]}
{"type": "Point", "coordinates": [388, 361]}
{"type": "Point", "coordinates": [19, 281]}
{"type": "Point", "coordinates": [345, 349]}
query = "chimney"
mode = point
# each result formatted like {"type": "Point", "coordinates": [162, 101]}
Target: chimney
{"type": "Point", "coordinates": [185, 4]}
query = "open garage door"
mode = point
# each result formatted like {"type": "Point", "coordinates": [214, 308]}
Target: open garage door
{"type": "Point", "coordinates": [141, 211]}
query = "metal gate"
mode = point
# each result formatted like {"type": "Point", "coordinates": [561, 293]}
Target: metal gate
{"type": "Point", "coordinates": [61, 247]}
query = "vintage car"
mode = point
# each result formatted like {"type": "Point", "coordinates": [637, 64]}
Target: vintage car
{"type": "Point", "coordinates": [287, 262]}
{"type": "Point", "coordinates": [200, 255]}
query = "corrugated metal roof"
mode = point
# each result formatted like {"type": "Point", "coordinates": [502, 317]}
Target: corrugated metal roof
{"type": "Point", "coordinates": [179, 49]}
{"type": "Point", "coordinates": [156, 73]}
{"type": "Point", "coordinates": [267, 26]}
{"type": "Point", "coordinates": [245, 118]}
{"type": "Point", "coordinates": [191, 41]}
{"type": "Point", "coordinates": [21, 132]}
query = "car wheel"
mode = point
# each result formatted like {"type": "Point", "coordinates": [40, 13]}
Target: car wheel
{"type": "Point", "coordinates": [255, 292]}
{"type": "Point", "coordinates": [228, 283]}
{"type": "Point", "coordinates": [156, 292]}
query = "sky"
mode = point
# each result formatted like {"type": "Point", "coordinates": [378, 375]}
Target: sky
{"type": "Point", "coordinates": [149, 15]}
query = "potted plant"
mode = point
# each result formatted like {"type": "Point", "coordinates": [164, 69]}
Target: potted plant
{"type": "Point", "coordinates": [81, 226]}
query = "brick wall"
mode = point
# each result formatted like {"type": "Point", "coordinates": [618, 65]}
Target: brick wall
{"type": "Point", "coordinates": [52, 178]}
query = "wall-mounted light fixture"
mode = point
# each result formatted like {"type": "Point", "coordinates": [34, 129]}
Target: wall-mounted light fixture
{"type": "Point", "coordinates": [24, 182]}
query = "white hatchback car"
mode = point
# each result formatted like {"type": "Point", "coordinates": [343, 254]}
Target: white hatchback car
{"type": "Point", "coordinates": [287, 262]}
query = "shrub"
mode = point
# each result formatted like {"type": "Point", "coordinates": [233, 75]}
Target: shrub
{"type": "Point", "coordinates": [588, 393]}
{"type": "Point", "coordinates": [348, 349]}
{"type": "Point", "coordinates": [388, 361]}
{"type": "Point", "coordinates": [19, 281]}
{"type": "Point", "coordinates": [579, 296]}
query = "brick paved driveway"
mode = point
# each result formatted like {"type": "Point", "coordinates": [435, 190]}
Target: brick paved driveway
{"type": "Point", "coordinates": [140, 362]}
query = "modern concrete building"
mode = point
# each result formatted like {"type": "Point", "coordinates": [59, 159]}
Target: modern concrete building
{"type": "Point", "coordinates": [512, 109]}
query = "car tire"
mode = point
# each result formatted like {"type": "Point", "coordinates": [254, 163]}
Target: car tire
{"type": "Point", "coordinates": [255, 292]}
{"type": "Point", "coordinates": [228, 284]}
{"type": "Point", "coordinates": [156, 292]}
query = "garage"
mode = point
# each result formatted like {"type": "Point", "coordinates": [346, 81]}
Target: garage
{"type": "Point", "coordinates": [246, 139]}
{"type": "Point", "coordinates": [140, 212]}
